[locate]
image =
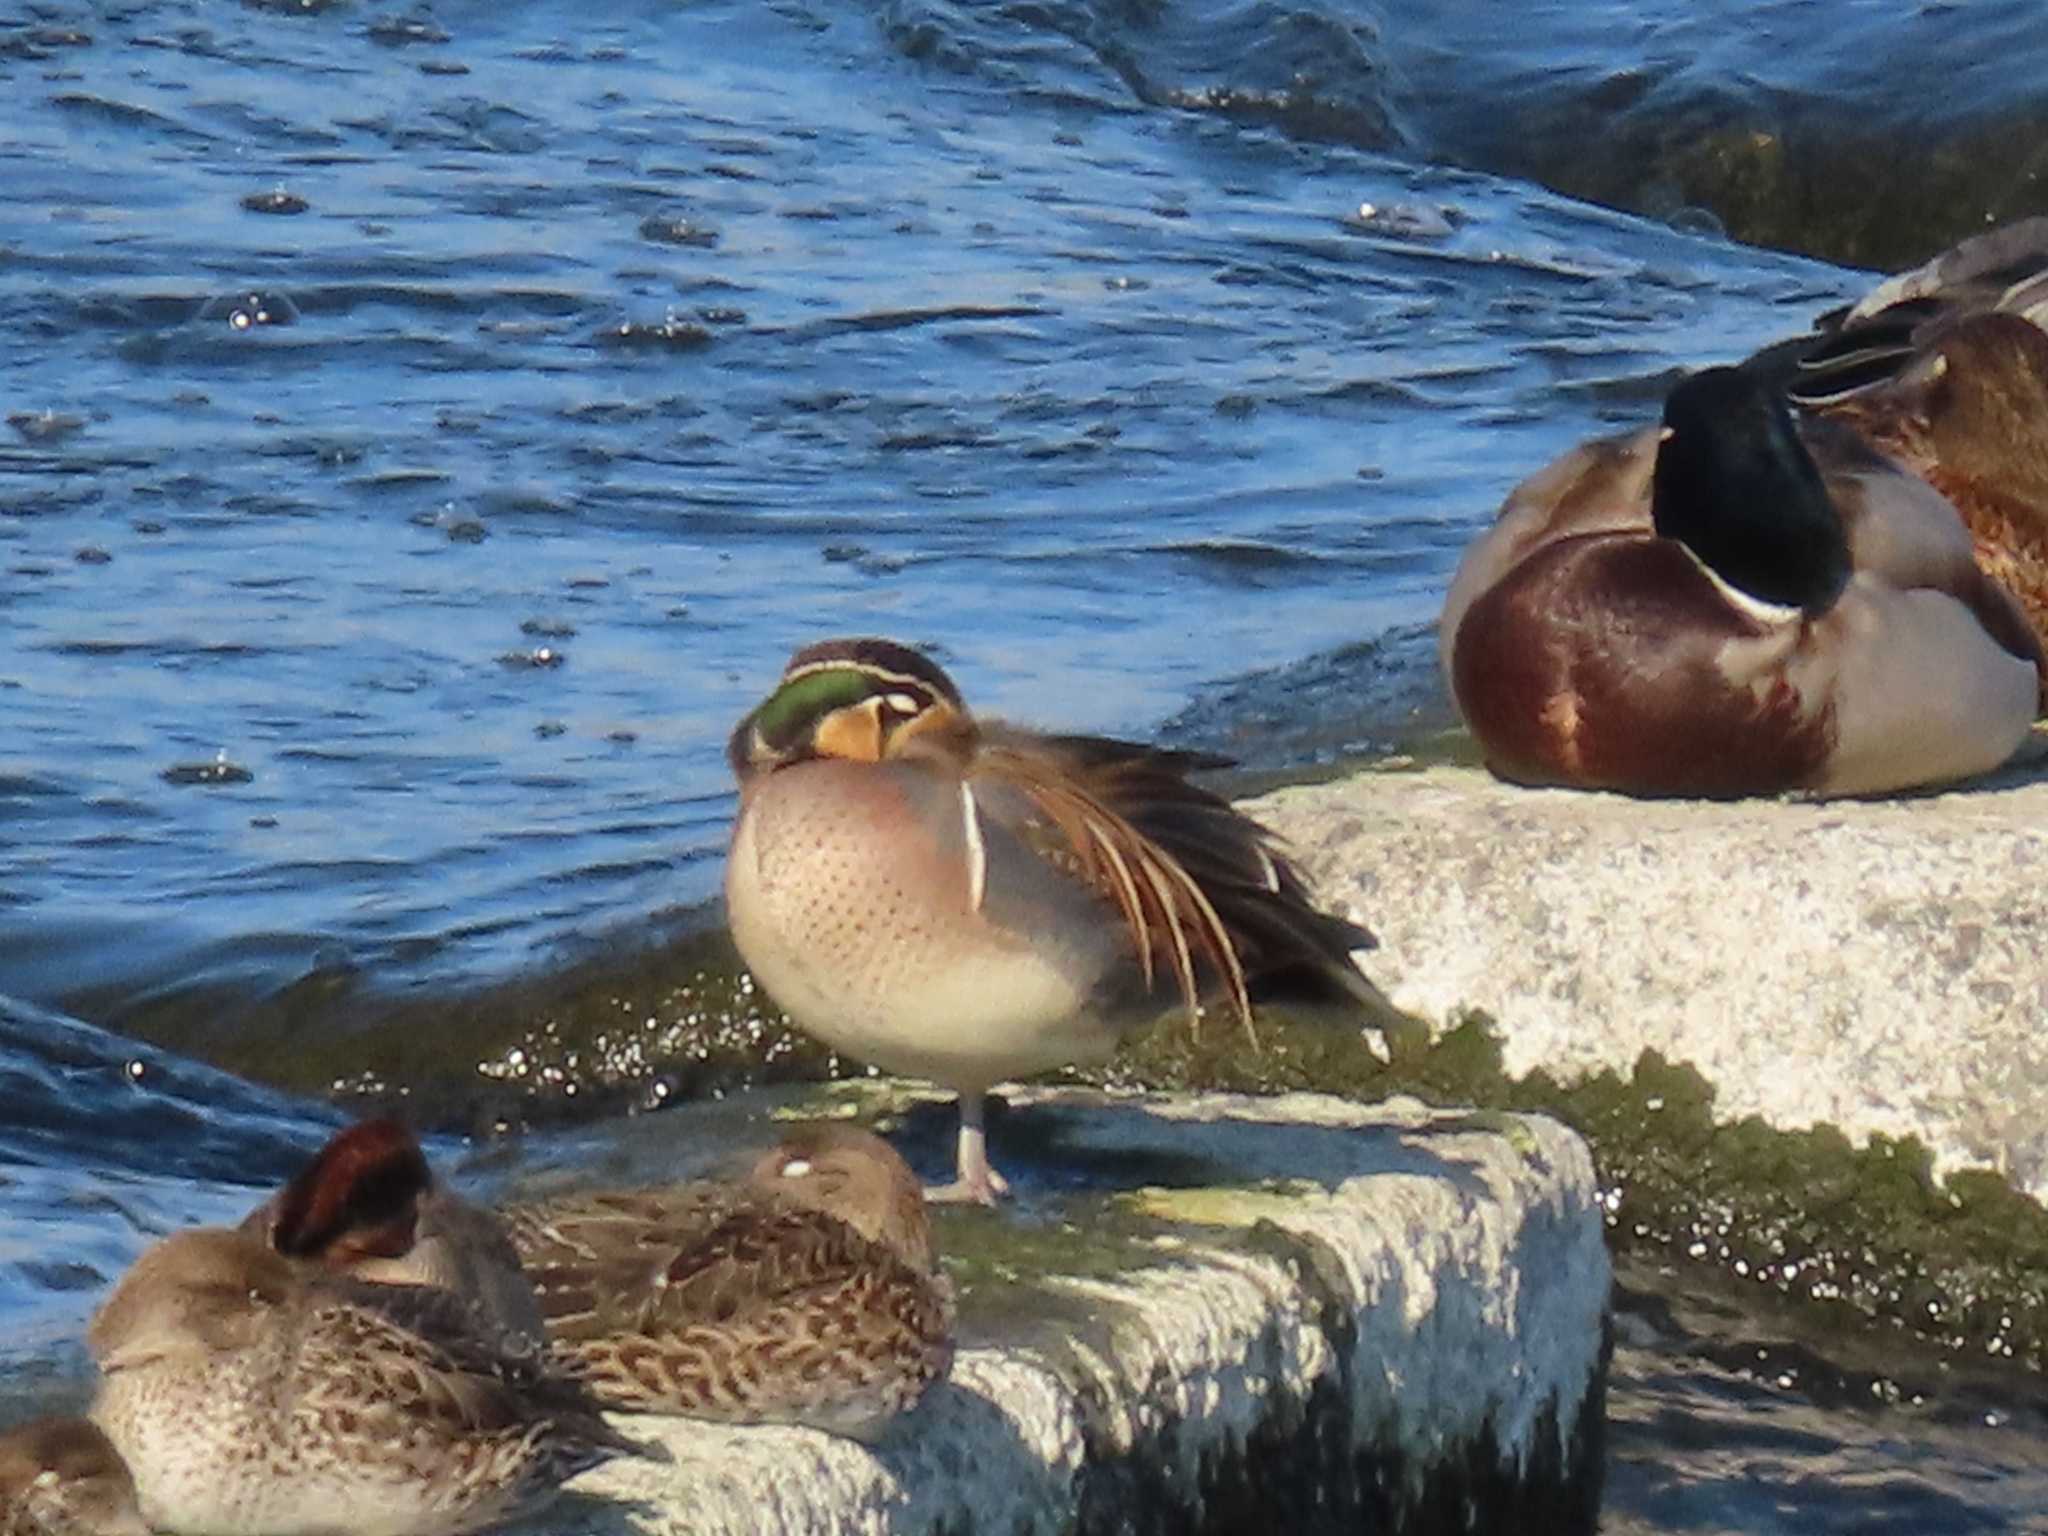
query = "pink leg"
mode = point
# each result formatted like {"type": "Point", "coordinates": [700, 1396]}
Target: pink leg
{"type": "Point", "coordinates": [974, 1180]}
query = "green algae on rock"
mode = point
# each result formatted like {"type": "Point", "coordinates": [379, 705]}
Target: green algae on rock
{"type": "Point", "coordinates": [632, 1026]}
{"type": "Point", "coordinates": [1850, 1234]}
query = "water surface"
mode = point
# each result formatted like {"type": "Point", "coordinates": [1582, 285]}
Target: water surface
{"type": "Point", "coordinates": [625, 352]}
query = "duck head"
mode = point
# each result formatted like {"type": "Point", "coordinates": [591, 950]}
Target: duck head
{"type": "Point", "coordinates": [861, 700]}
{"type": "Point", "coordinates": [358, 1199]}
{"type": "Point", "coordinates": [368, 1204]}
{"type": "Point", "coordinates": [856, 1176]}
{"type": "Point", "coordinates": [1735, 484]}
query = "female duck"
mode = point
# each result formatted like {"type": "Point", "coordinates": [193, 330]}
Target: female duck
{"type": "Point", "coordinates": [1732, 604]}
{"type": "Point", "coordinates": [251, 1395]}
{"type": "Point", "coordinates": [806, 1293]}
{"type": "Point", "coordinates": [1945, 369]}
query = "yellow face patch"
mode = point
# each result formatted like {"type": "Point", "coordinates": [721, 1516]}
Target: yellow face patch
{"type": "Point", "coordinates": [853, 733]}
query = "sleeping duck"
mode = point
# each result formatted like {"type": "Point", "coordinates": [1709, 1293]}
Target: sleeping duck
{"type": "Point", "coordinates": [1945, 368]}
{"type": "Point", "coordinates": [1735, 603]}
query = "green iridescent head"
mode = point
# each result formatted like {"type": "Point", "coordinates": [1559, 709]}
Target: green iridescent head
{"type": "Point", "coordinates": [842, 698]}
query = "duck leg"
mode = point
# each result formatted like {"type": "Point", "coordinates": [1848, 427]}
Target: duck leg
{"type": "Point", "coordinates": [973, 1179]}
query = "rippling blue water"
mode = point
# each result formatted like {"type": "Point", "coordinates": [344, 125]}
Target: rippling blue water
{"type": "Point", "coordinates": [1119, 354]}
{"type": "Point", "coordinates": [957, 340]}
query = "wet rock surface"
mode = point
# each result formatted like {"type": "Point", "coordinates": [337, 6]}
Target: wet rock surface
{"type": "Point", "coordinates": [1207, 1313]}
{"type": "Point", "coordinates": [1870, 965]}
{"type": "Point", "coordinates": [1785, 124]}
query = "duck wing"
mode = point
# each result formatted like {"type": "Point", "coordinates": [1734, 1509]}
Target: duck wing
{"type": "Point", "coordinates": [1205, 891]}
{"type": "Point", "coordinates": [414, 1353]}
{"type": "Point", "coordinates": [1095, 809]}
{"type": "Point", "coordinates": [1879, 339]}
{"type": "Point", "coordinates": [594, 1260]}
{"type": "Point", "coordinates": [785, 1315]}
{"type": "Point", "coordinates": [2003, 268]}
{"type": "Point", "coordinates": [1903, 532]}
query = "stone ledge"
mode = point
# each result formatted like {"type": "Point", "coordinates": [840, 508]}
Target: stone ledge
{"type": "Point", "coordinates": [1315, 1313]}
{"type": "Point", "coordinates": [1876, 965]}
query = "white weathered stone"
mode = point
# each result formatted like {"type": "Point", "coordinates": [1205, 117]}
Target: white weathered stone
{"type": "Point", "coordinates": [1457, 1262]}
{"type": "Point", "coordinates": [1880, 965]}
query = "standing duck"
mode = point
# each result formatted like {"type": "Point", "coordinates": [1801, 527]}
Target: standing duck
{"type": "Point", "coordinates": [964, 901]}
{"type": "Point", "coordinates": [63, 1477]}
{"type": "Point", "coordinates": [254, 1396]}
{"type": "Point", "coordinates": [806, 1293]}
{"type": "Point", "coordinates": [1735, 603]}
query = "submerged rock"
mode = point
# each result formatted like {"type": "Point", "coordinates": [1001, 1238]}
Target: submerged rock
{"type": "Point", "coordinates": [1296, 1313]}
{"type": "Point", "coordinates": [1789, 125]}
{"type": "Point", "coordinates": [1872, 965]}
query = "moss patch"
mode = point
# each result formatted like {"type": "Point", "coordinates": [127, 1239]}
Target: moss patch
{"type": "Point", "coordinates": [1846, 1233]}
{"type": "Point", "coordinates": [1231, 1209]}
{"type": "Point", "coordinates": [636, 1027]}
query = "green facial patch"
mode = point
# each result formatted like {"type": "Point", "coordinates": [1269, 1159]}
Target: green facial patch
{"type": "Point", "coordinates": [792, 711]}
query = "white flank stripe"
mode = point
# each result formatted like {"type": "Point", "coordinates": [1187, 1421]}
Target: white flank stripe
{"type": "Point", "coordinates": [977, 855]}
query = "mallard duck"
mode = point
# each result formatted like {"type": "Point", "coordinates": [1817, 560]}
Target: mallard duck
{"type": "Point", "coordinates": [1945, 368]}
{"type": "Point", "coordinates": [964, 901]}
{"type": "Point", "coordinates": [63, 1477]}
{"type": "Point", "coordinates": [1735, 603]}
{"type": "Point", "coordinates": [805, 1293]}
{"type": "Point", "coordinates": [254, 1396]}
{"type": "Point", "coordinates": [368, 1204]}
